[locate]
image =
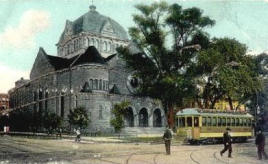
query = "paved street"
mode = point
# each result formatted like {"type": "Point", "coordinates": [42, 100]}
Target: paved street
{"type": "Point", "coordinates": [96, 151]}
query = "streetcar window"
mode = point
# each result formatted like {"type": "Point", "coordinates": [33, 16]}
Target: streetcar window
{"type": "Point", "coordinates": [228, 122]}
{"type": "Point", "coordinates": [214, 121]}
{"type": "Point", "coordinates": [196, 120]}
{"type": "Point", "coordinates": [233, 121]}
{"type": "Point", "coordinates": [219, 121]}
{"type": "Point", "coordinates": [240, 122]}
{"type": "Point", "coordinates": [249, 122]}
{"type": "Point", "coordinates": [223, 121]}
{"type": "Point", "coordinates": [204, 121]}
{"type": "Point", "coordinates": [237, 122]}
{"type": "Point", "coordinates": [209, 121]}
{"type": "Point", "coordinates": [181, 122]}
{"type": "Point", "coordinates": [244, 122]}
{"type": "Point", "coordinates": [189, 121]}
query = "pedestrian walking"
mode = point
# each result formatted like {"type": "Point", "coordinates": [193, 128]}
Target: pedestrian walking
{"type": "Point", "coordinates": [59, 132]}
{"type": "Point", "coordinates": [260, 143]}
{"type": "Point", "coordinates": [167, 139]}
{"type": "Point", "coordinates": [227, 142]}
{"type": "Point", "coordinates": [78, 135]}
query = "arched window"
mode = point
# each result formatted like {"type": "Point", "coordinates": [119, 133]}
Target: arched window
{"type": "Point", "coordinates": [80, 43]}
{"type": "Point", "coordinates": [108, 47]}
{"type": "Point", "coordinates": [40, 94]}
{"type": "Point", "coordinates": [69, 49]}
{"type": "Point", "coordinates": [77, 44]}
{"type": "Point", "coordinates": [157, 119]}
{"type": "Point", "coordinates": [84, 42]}
{"type": "Point", "coordinates": [103, 84]}
{"type": "Point", "coordinates": [129, 118]}
{"type": "Point", "coordinates": [46, 100]}
{"type": "Point", "coordinates": [92, 42]}
{"type": "Point", "coordinates": [100, 85]}
{"type": "Point", "coordinates": [100, 112]}
{"type": "Point", "coordinates": [72, 47]}
{"type": "Point", "coordinates": [143, 118]}
{"type": "Point", "coordinates": [88, 42]}
{"type": "Point", "coordinates": [91, 84]}
{"type": "Point", "coordinates": [57, 103]}
{"type": "Point", "coordinates": [95, 84]}
{"type": "Point", "coordinates": [107, 85]}
{"type": "Point", "coordinates": [105, 46]}
{"type": "Point", "coordinates": [97, 44]}
{"type": "Point", "coordinates": [62, 105]}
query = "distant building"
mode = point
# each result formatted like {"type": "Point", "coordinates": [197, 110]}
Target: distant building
{"type": "Point", "coordinates": [87, 72]}
{"type": "Point", "coordinates": [224, 105]}
{"type": "Point", "coordinates": [4, 101]}
{"type": "Point", "coordinates": [21, 82]}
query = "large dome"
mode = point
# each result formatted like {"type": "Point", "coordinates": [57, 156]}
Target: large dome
{"type": "Point", "coordinates": [94, 22]}
{"type": "Point", "coordinates": [91, 29]}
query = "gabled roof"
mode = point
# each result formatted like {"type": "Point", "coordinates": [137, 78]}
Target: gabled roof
{"type": "Point", "coordinates": [45, 63]}
{"type": "Point", "coordinates": [86, 88]}
{"type": "Point", "coordinates": [58, 62]}
{"type": "Point", "coordinates": [90, 56]}
{"type": "Point", "coordinates": [110, 57]}
{"type": "Point", "coordinates": [115, 90]}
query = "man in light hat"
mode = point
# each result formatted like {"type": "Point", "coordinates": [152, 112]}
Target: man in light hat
{"type": "Point", "coordinates": [227, 142]}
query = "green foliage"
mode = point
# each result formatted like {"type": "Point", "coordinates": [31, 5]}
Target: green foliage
{"type": "Point", "coordinates": [22, 120]}
{"type": "Point", "coordinates": [52, 121]}
{"type": "Point", "coordinates": [165, 72]}
{"type": "Point", "coordinates": [259, 99]}
{"type": "Point", "coordinates": [226, 72]}
{"type": "Point", "coordinates": [118, 111]}
{"type": "Point", "coordinates": [78, 117]}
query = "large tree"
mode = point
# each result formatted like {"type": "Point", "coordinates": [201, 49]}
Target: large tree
{"type": "Point", "coordinates": [226, 72]}
{"type": "Point", "coordinates": [164, 70]}
{"type": "Point", "coordinates": [258, 103]}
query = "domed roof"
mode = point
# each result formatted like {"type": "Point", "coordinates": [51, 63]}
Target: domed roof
{"type": "Point", "coordinates": [94, 22]}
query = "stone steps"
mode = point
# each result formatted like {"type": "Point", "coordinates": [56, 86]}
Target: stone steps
{"type": "Point", "coordinates": [143, 131]}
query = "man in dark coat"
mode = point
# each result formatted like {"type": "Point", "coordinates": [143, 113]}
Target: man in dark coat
{"type": "Point", "coordinates": [260, 143]}
{"type": "Point", "coordinates": [167, 138]}
{"type": "Point", "coordinates": [227, 142]}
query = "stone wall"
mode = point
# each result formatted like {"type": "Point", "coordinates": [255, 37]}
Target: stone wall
{"type": "Point", "coordinates": [52, 92]}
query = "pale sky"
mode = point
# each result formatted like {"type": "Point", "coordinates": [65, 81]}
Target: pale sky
{"type": "Point", "coordinates": [26, 25]}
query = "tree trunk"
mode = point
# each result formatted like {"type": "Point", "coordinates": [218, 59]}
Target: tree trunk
{"type": "Point", "coordinates": [236, 108]}
{"type": "Point", "coordinates": [170, 116]}
{"type": "Point", "coordinates": [200, 105]}
{"type": "Point", "coordinates": [230, 103]}
{"type": "Point", "coordinates": [213, 104]}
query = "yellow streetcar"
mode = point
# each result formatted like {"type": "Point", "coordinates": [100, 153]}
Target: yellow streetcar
{"type": "Point", "coordinates": [208, 125]}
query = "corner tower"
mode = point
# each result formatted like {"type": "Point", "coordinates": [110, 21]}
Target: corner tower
{"type": "Point", "coordinates": [91, 29]}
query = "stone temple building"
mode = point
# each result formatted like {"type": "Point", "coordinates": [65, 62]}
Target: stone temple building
{"type": "Point", "coordinates": [88, 73]}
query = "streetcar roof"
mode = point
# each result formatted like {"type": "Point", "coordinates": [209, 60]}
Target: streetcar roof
{"type": "Point", "coordinates": [210, 112]}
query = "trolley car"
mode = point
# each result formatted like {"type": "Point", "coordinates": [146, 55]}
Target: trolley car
{"type": "Point", "coordinates": [208, 125]}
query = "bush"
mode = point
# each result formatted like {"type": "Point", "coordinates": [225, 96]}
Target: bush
{"type": "Point", "coordinates": [119, 110]}
{"type": "Point", "coordinates": [78, 117]}
{"type": "Point", "coordinates": [51, 122]}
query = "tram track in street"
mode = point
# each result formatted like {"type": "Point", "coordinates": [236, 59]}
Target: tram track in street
{"type": "Point", "coordinates": [192, 158]}
{"type": "Point", "coordinates": [215, 157]}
